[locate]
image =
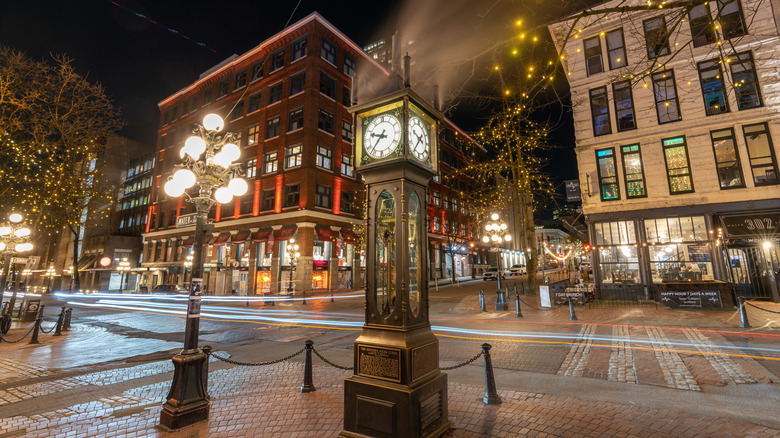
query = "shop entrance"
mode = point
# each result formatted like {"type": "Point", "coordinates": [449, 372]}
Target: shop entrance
{"type": "Point", "coordinates": [750, 270]}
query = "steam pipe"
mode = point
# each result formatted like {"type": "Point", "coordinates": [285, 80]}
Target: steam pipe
{"type": "Point", "coordinates": [407, 68]}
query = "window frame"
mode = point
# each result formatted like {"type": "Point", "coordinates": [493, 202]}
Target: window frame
{"type": "Point", "coordinates": [297, 83]}
{"type": "Point", "coordinates": [324, 158]}
{"type": "Point", "coordinates": [737, 92]}
{"type": "Point", "coordinates": [323, 192]}
{"type": "Point", "coordinates": [601, 178]}
{"type": "Point", "coordinates": [741, 16]}
{"type": "Point", "coordinates": [347, 202]}
{"type": "Point", "coordinates": [327, 82]}
{"type": "Point", "coordinates": [273, 122]}
{"type": "Point", "coordinates": [255, 102]}
{"type": "Point", "coordinates": [325, 52]}
{"type": "Point", "coordinates": [277, 60]}
{"type": "Point", "coordinates": [617, 110]}
{"type": "Point", "coordinates": [663, 28]}
{"type": "Point", "coordinates": [250, 167]}
{"type": "Point", "coordinates": [346, 131]}
{"type": "Point", "coordinates": [737, 160]}
{"type": "Point", "coordinates": [702, 31]}
{"type": "Point", "coordinates": [676, 95]}
{"type": "Point", "coordinates": [689, 174]}
{"type": "Point", "coordinates": [240, 80]}
{"type": "Point", "coordinates": [600, 55]}
{"type": "Point", "coordinates": [295, 119]}
{"type": "Point", "coordinates": [296, 48]}
{"type": "Point", "coordinates": [714, 66]}
{"type": "Point", "coordinates": [270, 159]}
{"type": "Point", "coordinates": [771, 153]}
{"type": "Point", "coordinates": [348, 161]}
{"type": "Point", "coordinates": [258, 67]}
{"type": "Point", "coordinates": [326, 121]}
{"type": "Point", "coordinates": [624, 57]}
{"type": "Point", "coordinates": [253, 135]}
{"type": "Point", "coordinates": [265, 199]}
{"type": "Point", "coordinates": [293, 159]}
{"type": "Point", "coordinates": [350, 65]}
{"type": "Point", "coordinates": [222, 88]}
{"type": "Point", "coordinates": [623, 155]}
{"type": "Point", "coordinates": [294, 191]}
{"type": "Point", "coordinates": [275, 90]}
{"type": "Point", "coordinates": [606, 108]}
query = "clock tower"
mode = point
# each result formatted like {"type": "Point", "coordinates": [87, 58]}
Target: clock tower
{"type": "Point", "coordinates": [397, 389]}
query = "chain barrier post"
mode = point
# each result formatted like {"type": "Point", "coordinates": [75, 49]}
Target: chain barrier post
{"type": "Point", "coordinates": [482, 300]}
{"type": "Point", "coordinates": [207, 351]}
{"type": "Point", "coordinates": [308, 381]}
{"type": "Point", "coordinates": [500, 303]}
{"type": "Point", "coordinates": [331, 296]}
{"type": "Point", "coordinates": [572, 316]}
{"type": "Point", "coordinates": [519, 314]}
{"type": "Point", "coordinates": [60, 319]}
{"type": "Point", "coordinates": [743, 313]}
{"type": "Point", "coordinates": [303, 294]}
{"type": "Point", "coordinates": [37, 327]}
{"type": "Point", "coordinates": [491, 396]}
{"type": "Point", "coordinates": [5, 323]}
{"type": "Point", "coordinates": [66, 326]}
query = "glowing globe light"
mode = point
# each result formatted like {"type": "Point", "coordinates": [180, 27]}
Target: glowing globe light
{"type": "Point", "coordinates": [194, 147]}
{"type": "Point", "coordinates": [503, 226]}
{"type": "Point", "coordinates": [231, 151]}
{"type": "Point", "coordinates": [238, 186]}
{"type": "Point", "coordinates": [494, 216]}
{"type": "Point", "coordinates": [4, 231]}
{"type": "Point", "coordinates": [223, 195]}
{"type": "Point", "coordinates": [508, 237]}
{"type": "Point", "coordinates": [185, 178]}
{"type": "Point", "coordinates": [174, 188]}
{"type": "Point", "coordinates": [22, 247]}
{"type": "Point", "coordinates": [485, 239]}
{"type": "Point", "coordinates": [22, 232]}
{"type": "Point", "coordinates": [222, 160]}
{"type": "Point", "coordinates": [213, 122]}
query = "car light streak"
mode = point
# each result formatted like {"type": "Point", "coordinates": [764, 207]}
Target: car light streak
{"type": "Point", "coordinates": [205, 298]}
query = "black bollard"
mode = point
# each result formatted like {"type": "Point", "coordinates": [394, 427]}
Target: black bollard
{"type": "Point", "coordinates": [5, 309]}
{"type": "Point", "coordinates": [308, 381]}
{"type": "Point", "coordinates": [38, 319]}
{"type": "Point", "coordinates": [303, 294]}
{"type": "Point", "coordinates": [572, 316]}
{"type": "Point", "coordinates": [515, 286]}
{"type": "Point", "coordinates": [743, 313]}
{"type": "Point", "coordinates": [60, 319]}
{"type": "Point", "coordinates": [207, 351]}
{"type": "Point", "coordinates": [482, 300]}
{"type": "Point", "coordinates": [491, 396]}
{"type": "Point", "coordinates": [68, 314]}
{"type": "Point", "coordinates": [331, 296]}
{"type": "Point", "coordinates": [500, 303]}
{"type": "Point", "coordinates": [517, 305]}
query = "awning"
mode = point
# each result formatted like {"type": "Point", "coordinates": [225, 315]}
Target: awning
{"type": "Point", "coordinates": [261, 235]}
{"type": "Point", "coordinates": [207, 239]}
{"type": "Point", "coordinates": [285, 233]}
{"type": "Point", "coordinates": [349, 236]}
{"type": "Point", "coordinates": [325, 234]}
{"type": "Point", "coordinates": [240, 237]}
{"type": "Point", "coordinates": [188, 241]}
{"type": "Point", "coordinates": [221, 239]}
{"type": "Point", "coordinates": [86, 261]}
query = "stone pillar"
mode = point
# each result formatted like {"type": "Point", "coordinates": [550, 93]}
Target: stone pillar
{"type": "Point", "coordinates": [252, 273]}
{"type": "Point", "coordinates": [333, 263]}
{"type": "Point", "coordinates": [304, 270]}
{"type": "Point", "coordinates": [276, 262]}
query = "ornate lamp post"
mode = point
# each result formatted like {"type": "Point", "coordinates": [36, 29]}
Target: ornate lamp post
{"type": "Point", "coordinates": [14, 238]}
{"type": "Point", "coordinates": [187, 266]}
{"type": "Point", "coordinates": [292, 250]}
{"type": "Point", "coordinates": [51, 273]}
{"type": "Point", "coordinates": [124, 269]}
{"type": "Point", "coordinates": [208, 162]}
{"type": "Point", "coordinates": [496, 233]}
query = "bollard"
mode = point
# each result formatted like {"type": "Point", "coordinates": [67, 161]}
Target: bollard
{"type": "Point", "coordinates": [331, 296]}
{"type": "Point", "coordinates": [308, 383]}
{"type": "Point", "coordinates": [517, 305]}
{"type": "Point", "coordinates": [500, 303]}
{"type": "Point", "coordinates": [572, 316]}
{"type": "Point", "coordinates": [515, 286]}
{"type": "Point", "coordinates": [491, 397]}
{"type": "Point", "coordinates": [743, 313]}
{"type": "Point", "coordinates": [5, 309]}
{"type": "Point", "coordinates": [58, 329]}
{"type": "Point", "coordinates": [38, 320]}
{"type": "Point", "coordinates": [68, 314]}
{"type": "Point", "coordinates": [482, 300]}
{"type": "Point", "coordinates": [207, 351]}
{"type": "Point", "coordinates": [303, 294]}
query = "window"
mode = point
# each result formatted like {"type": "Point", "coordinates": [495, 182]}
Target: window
{"type": "Point", "coordinates": [593, 56]}
{"type": "Point", "coordinates": [257, 70]}
{"type": "Point", "coordinates": [299, 49]}
{"type": "Point", "coordinates": [349, 66]}
{"type": "Point", "coordinates": [274, 93]}
{"type": "Point", "coordinates": [678, 166]}
{"type": "Point", "coordinates": [295, 119]}
{"type": "Point", "coordinates": [454, 205]}
{"type": "Point", "coordinates": [656, 37]}
{"type": "Point", "coordinates": [250, 168]}
{"type": "Point", "coordinates": [222, 88]}
{"type": "Point", "coordinates": [760, 154]}
{"type": "Point", "coordinates": [328, 51]}
{"type": "Point", "coordinates": [633, 172]}
{"type": "Point", "coordinates": [238, 110]}
{"type": "Point", "coordinates": [727, 159]}
{"type": "Point", "coordinates": [445, 203]}
{"type": "Point", "coordinates": [167, 117]}
{"type": "Point", "coordinates": [616, 49]}
{"type": "Point", "coordinates": [347, 202]}
{"type": "Point", "coordinates": [292, 156]}
{"type": "Point", "coordinates": [240, 81]}
{"type": "Point", "coordinates": [743, 74]}
{"type": "Point", "coordinates": [624, 106]}
{"type": "Point", "coordinates": [731, 19]}
{"type": "Point", "coordinates": [666, 104]}
{"type": "Point", "coordinates": [269, 200]}
{"type": "Point", "coordinates": [161, 223]}
{"type": "Point", "coordinates": [346, 166]}
{"type": "Point", "coordinates": [676, 248]}
{"type": "Point", "coordinates": [247, 202]}
{"type": "Point", "coordinates": [253, 135]}
{"type": "Point", "coordinates": [292, 195]}
{"type": "Point", "coordinates": [277, 60]}
{"type": "Point", "coordinates": [194, 104]}
{"type": "Point", "coordinates": [607, 172]}
{"type": "Point", "coordinates": [324, 157]}
{"type": "Point", "coordinates": [346, 96]}
{"type": "Point", "coordinates": [346, 131]}
{"type": "Point", "coordinates": [711, 78]}
{"type": "Point", "coordinates": [600, 111]}
{"type": "Point", "coordinates": [436, 199]}
{"type": "Point", "coordinates": [185, 108]}
{"type": "Point", "coordinates": [254, 102]}
{"type": "Point", "coordinates": [207, 96]}
{"type": "Point", "coordinates": [325, 121]}
{"type": "Point", "coordinates": [702, 28]}
{"type": "Point", "coordinates": [175, 113]}
{"type": "Point", "coordinates": [272, 128]}
{"type": "Point", "coordinates": [323, 196]}
{"type": "Point", "coordinates": [327, 85]}
{"type": "Point", "coordinates": [297, 83]}
{"type": "Point", "coordinates": [270, 162]}
{"type": "Point", "coordinates": [437, 224]}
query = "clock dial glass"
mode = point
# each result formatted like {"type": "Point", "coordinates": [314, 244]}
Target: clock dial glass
{"type": "Point", "coordinates": [382, 136]}
{"type": "Point", "coordinates": [419, 144]}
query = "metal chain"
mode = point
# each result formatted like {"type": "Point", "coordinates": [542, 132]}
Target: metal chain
{"type": "Point", "coordinates": [464, 363]}
{"type": "Point", "coordinates": [50, 330]}
{"type": "Point", "coordinates": [543, 309]}
{"type": "Point", "coordinates": [13, 342]}
{"type": "Point", "coordinates": [331, 363]}
{"type": "Point", "coordinates": [759, 308]}
{"type": "Point", "coordinates": [256, 364]}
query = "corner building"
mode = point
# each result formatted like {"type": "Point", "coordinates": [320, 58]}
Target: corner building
{"type": "Point", "coordinates": [287, 99]}
{"type": "Point", "coordinates": [678, 126]}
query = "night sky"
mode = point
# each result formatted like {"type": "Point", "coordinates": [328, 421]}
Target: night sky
{"type": "Point", "coordinates": [140, 62]}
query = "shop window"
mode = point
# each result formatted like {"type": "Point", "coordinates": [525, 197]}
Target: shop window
{"type": "Point", "coordinates": [763, 163]}
{"type": "Point", "coordinates": [619, 264]}
{"type": "Point", "coordinates": [607, 173]}
{"type": "Point", "coordinates": [727, 159]}
{"type": "Point", "coordinates": [678, 166]}
{"type": "Point", "coordinates": [633, 171]}
{"type": "Point", "coordinates": [614, 233]}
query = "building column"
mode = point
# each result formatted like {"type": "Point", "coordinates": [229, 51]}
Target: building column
{"type": "Point", "coordinates": [305, 267]}
{"type": "Point", "coordinates": [716, 252]}
{"type": "Point", "coordinates": [276, 261]}
{"type": "Point", "coordinates": [252, 272]}
{"type": "Point", "coordinates": [333, 263]}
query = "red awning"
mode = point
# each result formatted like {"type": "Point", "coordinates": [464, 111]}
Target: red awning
{"type": "Point", "coordinates": [207, 239]}
{"type": "Point", "coordinates": [240, 237]}
{"type": "Point", "coordinates": [285, 233]}
{"type": "Point", "coordinates": [261, 235]}
{"type": "Point", "coordinates": [325, 234]}
{"type": "Point", "coordinates": [221, 239]}
{"type": "Point", "coordinates": [349, 236]}
{"type": "Point", "coordinates": [188, 241]}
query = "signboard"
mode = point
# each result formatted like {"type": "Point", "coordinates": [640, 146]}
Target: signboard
{"type": "Point", "coordinates": [573, 193]}
{"type": "Point", "coordinates": [692, 299]}
{"type": "Point", "coordinates": [563, 295]}
{"type": "Point", "coordinates": [188, 220]}
{"type": "Point", "coordinates": [23, 260]}
{"type": "Point", "coordinates": [758, 225]}
{"type": "Point", "coordinates": [544, 294]}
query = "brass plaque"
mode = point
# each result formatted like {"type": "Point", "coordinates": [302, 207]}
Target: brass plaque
{"type": "Point", "coordinates": [381, 363]}
{"type": "Point", "coordinates": [425, 360]}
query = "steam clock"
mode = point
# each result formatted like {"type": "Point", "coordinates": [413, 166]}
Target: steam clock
{"type": "Point", "coordinates": [397, 389]}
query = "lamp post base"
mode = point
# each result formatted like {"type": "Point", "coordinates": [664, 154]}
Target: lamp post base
{"type": "Point", "coordinates": [187, 401]}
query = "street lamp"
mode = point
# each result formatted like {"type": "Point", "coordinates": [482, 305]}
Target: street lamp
{"type": "Point", "coordinates": [50, 273]}
{"type": "Point", "coordinates": [208, 162]}
{"type": "Point", "coordinates": [14, 238]}
{"type": "Point", "coordinates": [496, 233]}
{"type": "Point", "coordinates": [187, 266]}
{"type": "Point", "coordinates": [124, 269]}
{"type": "Point", "coordinates": [292, 250]}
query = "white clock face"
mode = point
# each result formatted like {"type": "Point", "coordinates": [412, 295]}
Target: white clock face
{"type": "Point", "coordinates": [382, 136]}
{"type": "Point", "coordinates": [419, 144]}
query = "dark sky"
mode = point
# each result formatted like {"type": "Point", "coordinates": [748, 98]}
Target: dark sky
{"type": "Point", "coordinates": [140, 62]}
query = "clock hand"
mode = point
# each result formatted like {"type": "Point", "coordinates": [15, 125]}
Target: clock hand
{"type": "Point", "coordinates": [419, 138]}
{"type": "Point", "coordinates": [381, 136]}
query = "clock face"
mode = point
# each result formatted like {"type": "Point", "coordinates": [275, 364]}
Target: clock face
{"type": "Point", "coordinates": [382, 136]}
{"type": "Point", "coordinates": [419, 144]}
